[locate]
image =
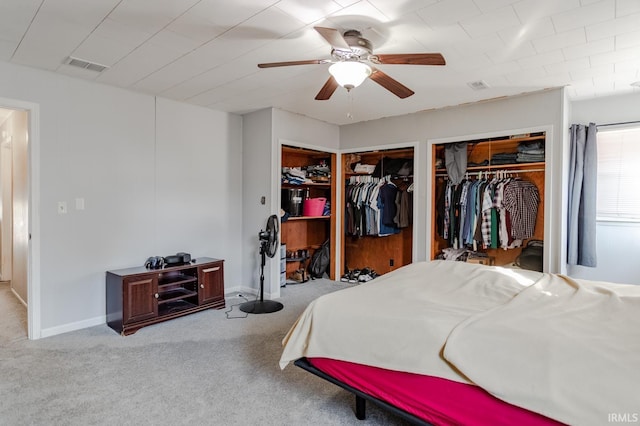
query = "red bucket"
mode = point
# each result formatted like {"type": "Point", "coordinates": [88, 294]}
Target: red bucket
{"type": "Point", "coordinates": [313, 206]}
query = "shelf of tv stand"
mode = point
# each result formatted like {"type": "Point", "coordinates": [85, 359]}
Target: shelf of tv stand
{"type": "Point", "coordinates": [177, 293]}
{"type": "Point", "coordinates": [175, 308]}
{"type": "Point", "coordinates": [173, 280]}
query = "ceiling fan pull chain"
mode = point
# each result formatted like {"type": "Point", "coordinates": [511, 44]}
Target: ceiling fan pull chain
{"type": "Point", "coordinates": [349, 112]}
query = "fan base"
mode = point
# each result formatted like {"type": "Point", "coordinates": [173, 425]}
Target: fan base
{"type": "Point", "coordinates": [261, 307]}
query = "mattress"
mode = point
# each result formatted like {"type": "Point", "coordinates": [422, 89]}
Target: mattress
{"type": "Point", "coordinates": [436, 400]}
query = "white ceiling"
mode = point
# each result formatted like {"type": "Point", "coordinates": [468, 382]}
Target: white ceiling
{"type": "Point", "coordinates": [205, 51]}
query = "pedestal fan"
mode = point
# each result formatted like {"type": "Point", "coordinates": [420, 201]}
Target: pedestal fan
{"type": "Point", "coordinates": [268, 247]}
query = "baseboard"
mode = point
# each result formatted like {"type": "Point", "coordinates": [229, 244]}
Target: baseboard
{"type": "Point", "coordinates": [240, 289]}
{"type": "Point", "coordinates": [18, 297]}
{"type": "Point", "coordinates": [65, 328]}
{"type": "Point", "coordinates": [92, 322]}
{"type": "Point", "coordinates": [246, 290]}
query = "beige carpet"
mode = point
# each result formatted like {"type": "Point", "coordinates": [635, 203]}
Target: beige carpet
{"type": "Point", "coordinates": [202, 369]}
{"type": "Point", "coordinates": [13, 316]}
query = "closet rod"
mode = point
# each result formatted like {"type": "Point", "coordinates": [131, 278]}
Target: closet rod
{"type": "Point", "coordinates": [475, 172]}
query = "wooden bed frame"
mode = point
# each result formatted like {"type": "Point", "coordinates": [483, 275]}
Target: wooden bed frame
{"type": "Point", "coordinates": [361, 397]}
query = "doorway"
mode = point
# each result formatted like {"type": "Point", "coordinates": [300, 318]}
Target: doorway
{"type": "Point", "coordinates": [15, 202]}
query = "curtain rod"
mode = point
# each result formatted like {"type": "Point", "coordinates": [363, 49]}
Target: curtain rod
{"type": "Point", "coordinates": [618, 124]}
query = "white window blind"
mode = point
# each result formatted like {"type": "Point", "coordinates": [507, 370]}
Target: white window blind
{"type": "Point", "coordinates": [619, 175]}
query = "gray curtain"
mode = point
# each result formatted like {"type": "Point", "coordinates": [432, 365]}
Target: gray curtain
{"type": "Point", "coordinates": [583, 167]}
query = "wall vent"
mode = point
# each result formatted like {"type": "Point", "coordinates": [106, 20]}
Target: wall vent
{"type": "Point", "coordinates": [81, 63]}
{"type": "Point", "coordinates": [478, 85]}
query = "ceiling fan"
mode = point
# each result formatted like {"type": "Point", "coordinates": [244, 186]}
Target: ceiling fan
{"type": "Point", "coordinates": [350, 53]}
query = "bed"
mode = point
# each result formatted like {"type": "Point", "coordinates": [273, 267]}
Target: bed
{"type": "Point", "coordinates": [446, 342]}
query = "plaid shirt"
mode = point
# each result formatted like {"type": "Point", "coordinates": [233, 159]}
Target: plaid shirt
{"type": "Point", "coordinates": [521, 200]}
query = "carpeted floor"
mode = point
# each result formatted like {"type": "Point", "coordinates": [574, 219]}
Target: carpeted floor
{"type": "Point", "coordinates": [13, 316]}
{"type": "Point", "coordinates": [202, 369]}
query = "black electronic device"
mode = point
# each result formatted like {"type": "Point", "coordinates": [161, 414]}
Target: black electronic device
{"type": "Point", "coordinates": [172, 260]}
{"type": "Point", "coordinates": [154, 262]}
{"type": "Point", "coordinates": [179, 258]}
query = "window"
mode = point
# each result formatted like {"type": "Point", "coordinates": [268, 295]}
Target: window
{"type": "Point", "coordinates": [619, 175]}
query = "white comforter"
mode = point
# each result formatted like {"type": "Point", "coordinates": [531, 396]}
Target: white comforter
{"type": "Point", "coordinates": [401, 320]}
{"type": "Point", "coordinates": [569, 349]}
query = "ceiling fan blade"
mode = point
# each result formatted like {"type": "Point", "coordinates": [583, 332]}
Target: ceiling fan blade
{"type": "Point", "coordinates": [334, 38]}
{"type": "Point", "coordinates": [289, 63]}
{"type": "Point", "coordinates": [411, 59]}
{"type": "Point", "coordinates": [392, 85]}
{"type": "Point", "coordinates": [327, 90]}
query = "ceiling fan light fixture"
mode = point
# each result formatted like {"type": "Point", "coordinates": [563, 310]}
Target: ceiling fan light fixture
{"type": "Point", "coordinates": [350, 74]}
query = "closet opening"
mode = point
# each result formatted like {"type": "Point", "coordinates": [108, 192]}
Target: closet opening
{"type": "Point", "coordinates": [488, 201]}
{"type": "Point", "coordinates": [377, 204]}
{"type": "Point", "coordinates": [308, 219]}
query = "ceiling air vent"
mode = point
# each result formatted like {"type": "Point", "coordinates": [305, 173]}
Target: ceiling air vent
{"type": "Point", "coordinates": [81, 63]}
{"type": "Point", "coordinates": [478, 85]}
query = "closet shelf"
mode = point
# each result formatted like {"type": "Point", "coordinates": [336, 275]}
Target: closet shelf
{"type": "Point", "coordinates": [308, 218]}
{"type": "Point", "coordinates": [304, 185]}
{"type": "Point", "coordinates": [357, 174]}
{"type": "Point", "coordinates": [500, 167]}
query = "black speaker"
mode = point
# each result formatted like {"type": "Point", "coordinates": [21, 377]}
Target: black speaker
{"type": "Point", "coordinates": [186, 257]}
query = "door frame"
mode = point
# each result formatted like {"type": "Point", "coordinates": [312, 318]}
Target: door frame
{"type": "Point", "coordinates": [34, 326]}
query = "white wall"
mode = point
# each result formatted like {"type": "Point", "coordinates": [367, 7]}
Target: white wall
{"type": "Point", "coordinates": [617, 244]}
{"type": "Point", "coordinates": [298, 130]}
{"type": "Point", "coordinates": [307, 131]}
{"type": "Point", "coordinates": [257, 167]}
{"type": "Point", "coordinates": [264, 131]}
{"type": "Point", "coordinates": [198, 181]}
{"type": "Point", "coordinates": [498, 117]}
{"type": "Point", "coordinates": [102, 144]}
{"type": "Point", "coordinates": [6, 210]}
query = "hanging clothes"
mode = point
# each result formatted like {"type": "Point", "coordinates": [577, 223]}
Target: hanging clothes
{"type": "Point", "coordinates": [521, 199]}
{"type": "Point", "coordinates": [482, 213]}
{"type": "Point", "coordinates": [376, 207]}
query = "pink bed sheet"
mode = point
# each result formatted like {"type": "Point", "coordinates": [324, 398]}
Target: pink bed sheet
{"type": "Point", "coordinates": [433, 399]}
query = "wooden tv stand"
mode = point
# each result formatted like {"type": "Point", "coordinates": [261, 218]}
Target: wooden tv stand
{"type": "Point", "coordinates": [137, 297]}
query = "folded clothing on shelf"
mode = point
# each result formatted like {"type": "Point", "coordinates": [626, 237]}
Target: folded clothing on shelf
{"type": "Point", "coordinates": [532, 147]}
{"type": "Point", "coordinates": [364, 168]}
{"type": "Point", "coordinates": [504, 158]}
{"type": "Point", "coordinates": [294, 175]}
{"type": "Point", "coordinates": [529, 158]}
